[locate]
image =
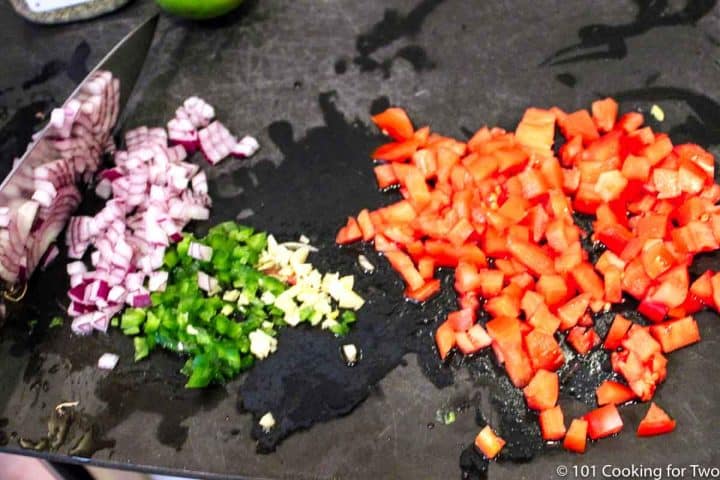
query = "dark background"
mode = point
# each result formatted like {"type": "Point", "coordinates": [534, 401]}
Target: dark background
{"type": "Point", "coordinates": [303, 76]}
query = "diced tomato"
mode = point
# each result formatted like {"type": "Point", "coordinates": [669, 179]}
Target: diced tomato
{"type": "Point", "coordinates": [656, 258]}
{"type": "Point", "coordinates": [614, 237]}
{"type": "Point", "coordinates": [489, 443]}
{"type": "Point", "coordinates": [396, 151]}
{"type": "Point", "coordinates": [553, 288]}
{"type": "Point", "coordinates": [635, 281]}
{"type": "Point", "coordinates": [715, 282]}
{"type": "Point", "coordinates": [613, 285]}
{"type": "Point", "coordinates": [398, 213]}
{"type": "Point", "coordinates": [478, 337]}
{"type": "Point", "coordinates": [417, 188]}
{"type": "Point", "coordinates": [536, 130]}
{"type": "Point", "coordinates": [543, 350]}
{"type": "Point", "coordinates": [603, 422]}
{"type": "Point", "coordinates": [614, 393]}
{"type": "Point", "coordinates": [676, 334]}
{"type": "Point", "coordinates": [610, 185]}
{"type": "Point", "coordinates": [673, 288]}
{"type": "Point", "coordinates": [503, 306]}
{"type": "Point", "coordinates": [544, 320]}
{"type": "Point", "coordinates": [444, 339]}
{"type": "Point", "coordinates": [533, 257]}
{"type": "Point", "coordinates": [506, 334]}
{"type": "Point", "coordinates": [616, 333]}
{"type": "Point", "coordinates": [608, 260]}
{"type": "Point", "coordinates": [404, 266]}
{"type": "Point", "coordinates": [636, 168]}
{"type": "Point", "coordinates": [552, 424]}
{"type": "Point", "coordinates": [543, 390]}
{"type": "Point", "coordinates": [510, 159]}
{"type": "Point", "coordinates": [430, 288]}
{"type": "Point", "coordinates": [366, 225]}
{"type": "Point", "coordinates": [385, 175]}
{"type": "Point", "coordinates": [425, 160]}
{"type": "Point", "coordinates": [349, 233]}
{"type": "Point", "coordinates": [466, 278]}
{"type": "Point", "coordinates": [426, 267]}
{"type": "Point", "coordinates": [604, 113]}
{"type": "Point", "coordinates": [395, 122]}
{"type": "Point", "coordinates": [491, 282]}
{"type": "Point", "coordinates": [588, 281]}
{"type": "Point", "coordinates": [571, 312]}
{"type": "Point", "coordinates": [660, 148]}
{"type": "Point", "coordinates": [631, 121]}
{"type": "Point", "coordinates": [461, 320]}
{"type": "Point", "coordinates": [656, 422]}
{"type": "Point", "coordinates": [583, 339]}
{"type": "Point", "coordinates": [702, 288]}
{"type": "Point", "coordinates": [641, 343]}
{"type": "Point", "coordinates": [576, 436]}
{"type": "Point", "coordinates": [666, 183]}
{"type": "Point", "coordinates": [579, 123]}
{"type": "Point", "coordinates": [480, 137]}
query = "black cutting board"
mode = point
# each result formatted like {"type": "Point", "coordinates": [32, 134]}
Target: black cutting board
{"type": "Point", "coordinates": [304, 76]}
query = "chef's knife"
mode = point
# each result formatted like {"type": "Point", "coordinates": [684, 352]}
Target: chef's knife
{"type": "Point", "coordinates": [124, 62]}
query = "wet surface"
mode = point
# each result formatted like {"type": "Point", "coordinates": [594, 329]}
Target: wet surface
{"type": "Point", "coordinates": [304, 78]}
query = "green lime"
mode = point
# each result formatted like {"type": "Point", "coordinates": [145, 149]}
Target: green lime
{"type": "Point", "coordinates": [199, 9]}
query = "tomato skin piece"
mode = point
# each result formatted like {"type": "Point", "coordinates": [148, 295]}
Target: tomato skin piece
{"type": "Point", "coordinates": [676, 334]}
{"type": "Point", "coordinates": [603, 422]}
{"type": "Point", "coordinates": [489, 443]}
{"type": "Point", "coordinates": [430, 288]}
{"type": "Point", "coordinates": [655, 422]}
{"type": "Point", "coordinates": [542, 391]}
{"type": "Point", "coordinates": [616, 333]}
{"type": "Point", "coordinates": [395, 122]}
{"type": "Point", "coordinates": [576, 436]}
{"type": "Point", "coordinates": [552, 424]}
{"type": "Point", "coordinates": [615, 393]}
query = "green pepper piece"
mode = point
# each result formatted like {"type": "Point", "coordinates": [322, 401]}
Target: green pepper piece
{"type": "Point", "coordinates": [171, 258]}
{"type": "Point", "coordinates": [142, 349]}
{"type": "Point", "coordinates": [348, 316]}
{"type": "Point", "coordinates": [152, 323]}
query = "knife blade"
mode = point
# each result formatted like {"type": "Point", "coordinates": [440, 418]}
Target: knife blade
{"type": "Point", "coordinates": [124, 62]}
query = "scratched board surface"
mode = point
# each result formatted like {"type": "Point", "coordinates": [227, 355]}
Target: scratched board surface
{"type": "Point", "coordinates": [304, 76]}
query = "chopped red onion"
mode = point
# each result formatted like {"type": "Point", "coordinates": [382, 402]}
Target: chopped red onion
{"type": "Point", "coordinates": [216, 142]}
{"type": "Point", "coordinates": [246, 147]}
{"type": "Point", "coordinates": [157, 281]}
{"type": "Point", "coordinates": [49, 257]}
{"type": "Point", "coordinates": [206, 282]}
{"type": "Point", "coordinates": [108, 361]}
{"type": "Point", "coordinates": [201, 252]}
